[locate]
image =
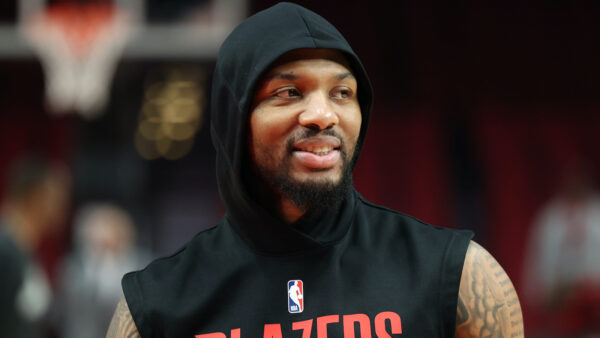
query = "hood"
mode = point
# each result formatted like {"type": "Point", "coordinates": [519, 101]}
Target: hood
{"type": "Point", "coordinates": [244, 56]}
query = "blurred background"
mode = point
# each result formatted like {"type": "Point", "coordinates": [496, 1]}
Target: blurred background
{"type": "Point", "coordinates": [485, 118]}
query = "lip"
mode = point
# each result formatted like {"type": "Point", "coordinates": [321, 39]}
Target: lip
{"type": "Point", "coordinates": [317, 141]}
{"type": "Point", "coordinates": [302, 152]}
{"type": "Point", "coordinates": [314, 161]}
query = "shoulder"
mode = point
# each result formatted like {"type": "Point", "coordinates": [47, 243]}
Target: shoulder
{"type": "Point", "coordinates": [178, 276]}
{"type": "Point", "coordinates": [202, 243]}
{"type": "Point", "coordinates": [122, 324]}
{"type": "Point", "coordinates": [443, 249]}
{"type": "Point", "coordinates": [488, 305]}
{"type": "Point", "coordinates": [12, 258]}
{"type": "Point", "coordinates": [7, 246]}
{"type": "Point", "coordinates": [390, 220]}
{"type": "Point", "coordinates": [163, 270]}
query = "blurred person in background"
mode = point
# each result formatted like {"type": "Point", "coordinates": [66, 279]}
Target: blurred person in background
{"type": "Point", "coordinates": [563, 266]}
{"type": "Point", "coordinates": [35, 205]}
{"type": "Point", "coordinates": [90, 281]}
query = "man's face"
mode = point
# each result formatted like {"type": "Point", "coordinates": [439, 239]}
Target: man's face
{"type": "Point", "coordinates": [305, 123]}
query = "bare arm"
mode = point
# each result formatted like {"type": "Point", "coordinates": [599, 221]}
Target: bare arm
{"type": "Point", "coordinates": [122, 325]}
{"type": "Point", "coordinates": [488, 305]}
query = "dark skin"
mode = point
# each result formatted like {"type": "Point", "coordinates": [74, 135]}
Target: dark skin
{"type": "Point", "coordinates": [122, 324]}
{"type": "Point", "coordinates": [488, 305]}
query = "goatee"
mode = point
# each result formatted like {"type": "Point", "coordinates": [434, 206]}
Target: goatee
{"type": "Point", "coordinates": [310, 195]}
{"type": "Point", "coordinates": [313, 195]}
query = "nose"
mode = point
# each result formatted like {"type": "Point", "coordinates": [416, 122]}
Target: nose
{"type": "Point", "coordinates": [319, 113]}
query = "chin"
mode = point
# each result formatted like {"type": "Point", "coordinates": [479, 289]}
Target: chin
{"type": "Point", "coordinates": [308, 188]}
{"type": "Point", "coordinates": [317, 179]}
{"type": "Point", "coordinates": [318, 193]}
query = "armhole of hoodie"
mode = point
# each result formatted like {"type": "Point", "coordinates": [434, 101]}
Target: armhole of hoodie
{"type": "Point", "coordinates": [135, 301]}
{"type": "Point", "coordinates": [454, 258]}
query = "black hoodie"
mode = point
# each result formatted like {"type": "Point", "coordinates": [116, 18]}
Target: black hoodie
{"type": "Point", "coordinates": [246, 54]}
{"type": "Point", "coordinates": [357, 267]}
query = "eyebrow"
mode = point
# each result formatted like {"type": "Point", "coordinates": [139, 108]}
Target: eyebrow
{"type": "Point", "coordinates": [285, 76]}
{"type": "Point", "coordinates": [345, 75]}
{"type": "Point", "coordinates": [290, 76]}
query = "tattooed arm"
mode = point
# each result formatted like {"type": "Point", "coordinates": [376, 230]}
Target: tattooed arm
{"type": "Point", "coordinates": [122, 325]}
{"type": "Point", "coordinates": [488, 305]}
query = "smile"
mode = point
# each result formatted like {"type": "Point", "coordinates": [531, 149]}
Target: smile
{"type": "Point", "coordinates": [320, 151]}
{"type": "Point", "coordinates": [317, 152]}
{"type": "Point", "coordinates": [318, 145]}
{"type": "Point", "coordinates": [312, 160]}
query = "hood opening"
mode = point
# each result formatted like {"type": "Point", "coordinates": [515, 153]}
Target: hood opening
{"type": "Point", "coordinates": [248, 52]}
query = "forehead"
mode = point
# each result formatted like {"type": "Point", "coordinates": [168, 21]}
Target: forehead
{"type": "Point", "coordinates": [306, 57]}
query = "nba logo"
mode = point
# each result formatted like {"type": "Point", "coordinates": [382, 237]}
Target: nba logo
{"type": "Point", "coordinates": [295, 296]}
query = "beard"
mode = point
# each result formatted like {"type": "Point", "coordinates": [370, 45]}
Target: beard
{"type": "Point", "coordinates": [307, 195]}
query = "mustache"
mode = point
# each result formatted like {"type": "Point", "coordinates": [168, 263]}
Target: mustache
{"type": "Point", "coordinates": [308, 133]}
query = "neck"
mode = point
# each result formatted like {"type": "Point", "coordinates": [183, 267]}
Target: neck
{"type": "Point", "coordinates": [275, 201]}
{"type": "Point", "coordinates": [289, 212]}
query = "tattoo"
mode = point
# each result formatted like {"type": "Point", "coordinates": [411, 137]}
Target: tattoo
{"type": "Point", "coordinates": [488, 305]}
{"type": "Point", "coordinates": [462, 315]}
{"type": "Point", "coordinates": [122, 324]}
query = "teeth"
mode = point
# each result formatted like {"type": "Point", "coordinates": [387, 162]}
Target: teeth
{"type": "Point", "coordinates": [319, 151]}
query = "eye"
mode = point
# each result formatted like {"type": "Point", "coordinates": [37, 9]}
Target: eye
{"type": "Point", "coordinates": [341, 93]}
{"type": "Point", "coordinates": [288, 92]}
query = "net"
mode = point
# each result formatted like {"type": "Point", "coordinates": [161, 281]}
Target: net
{"type": "Point", "coordinates": [79, 46]}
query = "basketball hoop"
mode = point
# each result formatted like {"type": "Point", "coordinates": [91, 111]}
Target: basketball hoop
{"type": "Point", "coordinates": [79, 46]}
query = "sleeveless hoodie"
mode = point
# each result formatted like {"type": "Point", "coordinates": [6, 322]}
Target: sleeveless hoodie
{"type": "Point", "coordinates": [359, 270]}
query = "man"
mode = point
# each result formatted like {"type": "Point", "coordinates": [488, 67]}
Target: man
{"type": "Point", "coordinates": [562, 273]}
{"type": "Point", "coordinates": [290, 107]}
{"type": "Point", "coordinates": [35, 205]}
{"type": "Point", "coordinates": [104, 248]}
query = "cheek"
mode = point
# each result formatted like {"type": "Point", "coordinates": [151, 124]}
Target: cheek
{"type": "Point", "coordinates": [264, 135]}
{"type": "Point", "coordinates": [269, 127]}
{"type": "Point", "coordinates": [351, 123]}
{"type": "Point", "coordinates": [259, 131]}
{"type": "Point", "coordinates": [253, 137]}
